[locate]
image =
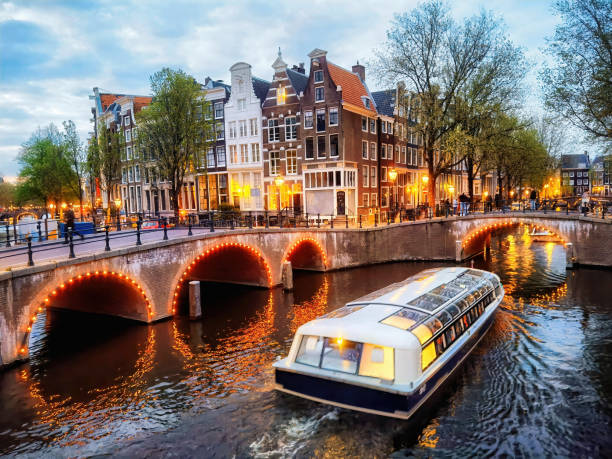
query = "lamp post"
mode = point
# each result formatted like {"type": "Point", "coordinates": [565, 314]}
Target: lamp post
{"type": "Point", "coordinates": [278, 181]}
{"type": "Point", "coordinates": [392, 177]}
{"type": "Point", "coordinates": [118, 207]}
{"type": "Point", "coordinates": [425, 180]}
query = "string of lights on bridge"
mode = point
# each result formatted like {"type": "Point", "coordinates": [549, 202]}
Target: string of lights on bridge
{"type": "Point", "coordinates": [299, 242]}
{"type": "Point", "coordinates": [485, 229]}
{"type": "Point", "coordinates": [75, 280]}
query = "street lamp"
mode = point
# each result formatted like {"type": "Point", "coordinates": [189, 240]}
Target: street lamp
{"type": "Point", "coordinates": [392, 177]}
{"type": "Point", "coordinates": [278, 181]}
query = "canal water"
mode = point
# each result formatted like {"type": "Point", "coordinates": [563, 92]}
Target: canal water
{"type": "Point", "coordinates": [539, 384]}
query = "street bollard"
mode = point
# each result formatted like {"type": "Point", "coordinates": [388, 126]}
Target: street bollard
{"type": "Point", "coordinates": [8, 237]}
{"type": "Point", "coordinates": [165, 229]}
{"type": "Point", "coordinates": [360, 221]}
{"type": "Point", "coordinates": [30, 259]}
{"type": "Point", "coordinates": [346, 220]}
{"type": "Point", "coordinates": [138, 223]}
{"type": "Point", "coordinates": [39, 232]}
{"type": "Point", "coordinates": [106, 239]}
{"type": "Point", "coordinates": [118, 223]}
{"type": "Point", "coordinates": [318, 220]}
{"type": "Point", "coordinates": [266, 220]}
{"type": "Point", "coordinates": [189, 232]}
{"type": "Point", "coordinates": [331, 221]}
{"type": "Point", "coordinates": [306, 219]}
{"type": "Point", "coordinates": [212, 224]}
{"type": "Point", "coordinates": [250, 220]}
{"type": "Point", "coordinates": [71, 254]}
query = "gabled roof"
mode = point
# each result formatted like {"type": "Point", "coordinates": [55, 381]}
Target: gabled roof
{"type": "Point", "coordinates": [261, 88]}
{"type": "Point", "coordinates": [578, 161]}
{"type": "Point", "coordinates": [298, 81]}
{"type": "Point", "coordinates": [353, 89]}
{"type": "Point", "coordinates": [385, 101]}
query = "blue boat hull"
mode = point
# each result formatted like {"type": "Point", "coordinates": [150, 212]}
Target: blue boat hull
{"type": "Point", "coordinates": [375, 401]}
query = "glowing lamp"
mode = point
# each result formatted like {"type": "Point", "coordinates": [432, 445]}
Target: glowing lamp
{"type": "Point", "coordinates": [392, 175]}
{"type": "Point", "coordinates": [451, 189]}
{"type": "Point", "coordinates": [278, 181]}
{"type": "Point", "coordinates": [118, 202]}
{"type": "Point", "coordinates": [425, 179]}
{"type": "Point", "coordinates": [64, 205]}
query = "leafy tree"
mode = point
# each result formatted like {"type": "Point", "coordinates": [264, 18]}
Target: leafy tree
{"type": "Point", "coordinates": [579, 85]}
{"type": "Point", "coordinates": [172, 128]}
{"type": "Point", "coordinates": [7, 194]}
{"type": "Point", "coordinates": [76, 158]}
{"type": "Point", "coordinates": [104, 160]}
{"type": "Point", "coordinates": [45, 170]}
{"type": "Point", "coordinates": [441, 61]}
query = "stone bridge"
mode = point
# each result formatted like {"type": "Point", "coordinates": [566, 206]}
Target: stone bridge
{"type": "Point", "coordinates": [148, 282]}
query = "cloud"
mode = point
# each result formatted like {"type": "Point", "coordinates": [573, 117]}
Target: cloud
{"type": "Point", "coordinates": [53, 53]}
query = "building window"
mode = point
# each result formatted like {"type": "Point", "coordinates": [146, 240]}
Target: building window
{"type": "Point", "coordinates": [244, 153]}
{"type": "Point", "coordinates": [274, 163]}
{"type": "Point", "coordinates": [364, 149]}
{"type": "Point", "coordinates": [309, 148]}
{"type": "Point", "coordinates": [333, 145]}
{"type": "Point", "coordinates": [128, 152]}
{"type": "Point", "coordinates": [220, 131]}
{"type": "Point", "coordinates": [319, 94]}
{"type": "Point", "coordinates": [366, 102]}
{"type": "Point", "coordinates": [372, 126]}
{"type": "Point", "coordinates": [383, 174]}
{"type": "Point", "coordinates": [253, 126]}
{"type": "Point", "coordinates": [384, 197]}
{"type": "Point", "coordinates": [321, 146]}
{"type": "Point", "coordinates": [291, 162]}
{"type": "Point", "coordinates": [232, 130]}
{"type": "Point", "coordinates": [241, 105]}
{"type": "Point", "coordinates": [383, 128]}
{"type": "Point", "coordinates": [221, 156]}
{"type": "Point", "coordinates": [333, 116]}
{"type": "Point", "coordinates": [273, 131]}
{"type": "Point", "coordinates": [571, 173]}
{"type": "Point", "coordinates": [373, 177]}
{"type": "Point", "coordinates": [308, 120]}
{"type": "Point", "coordinates": [218, 110]}
{"type": "Point", "coordinates": [243, 128]}
{"type": "Point", "coordinates": [126, 120]}
{"type": "Point", "coordinates": [374, 200]}
{"type": "Point", "coordinates": [389, 127]}
{"type": "Point", "coordinates": [128, 136]}
{"type": "Point", "coordinates": [281, 96]}
{"type": "Point", "coordinates": [364, 124]}
{"type": "Point", "coordinates": [383, 151]}
{"type": "Point", "coordinates": [365, 176]}
{"type": "Point", "coordinates": [318, 76]}
{"type": "Point", "coordinates": [290, 128]}
{"type": "Point", "coordinates": [403, 159]}
{"type": "Point", "coordinates": [373, 151]}
{"type": "Point", "coordinates": [233, 154]}
{"type": "Point", "coordinates": [366, 199]}
{"type": "Point", "coordinates": [210, 159]}
{"type": "Point", "coordinates": [123, 175]}
{"type": "Point", "coordinates": [255, 152]}
{"type": "Point", "coordinates": [320, 120]}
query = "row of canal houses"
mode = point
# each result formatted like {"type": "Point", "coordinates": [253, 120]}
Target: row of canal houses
{"type": "Point", "coordinates": [317, 143]}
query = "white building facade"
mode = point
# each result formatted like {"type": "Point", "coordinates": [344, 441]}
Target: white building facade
{"type": "Point", "coordinates": [244, 138]}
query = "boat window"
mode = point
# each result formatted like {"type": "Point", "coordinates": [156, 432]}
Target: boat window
{"type": "Point", "coordinates": [428, 302]}
{"type": "Point", "coordinates": [475, 273]}
{"type": "Point", "coordinates": [342, 312]}
{"type": "Point", "coordinates": [453, 310]}
{"type": "Point", "coordinates": [427, 329]}
{"type": "Point", "coordinates": [470, 299]}
{"type": "Point", "coordinates": [476, 294]}
{"type": "Point", "coordinates": [447, 291]}
{"type": "Point", "coordinates": [310, 350]}
{"type": "Point", "coordinates": [404, 318]}
{"type": "Point", "coordinates": [428, 355]}
{"type": "Point", "coordinates": [444, 317]}
{"type": "Point", "coordinates": [377, 361]}
{"type": "Point", "coordinates": [340, 355]}
{"type": "Point", "coordinates": [463, 304]}
{"type": "Point", "coordinates": [484, 289]}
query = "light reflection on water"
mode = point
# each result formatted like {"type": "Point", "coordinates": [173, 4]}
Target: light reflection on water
{"type": "Point", "coordinates": [538, 384]}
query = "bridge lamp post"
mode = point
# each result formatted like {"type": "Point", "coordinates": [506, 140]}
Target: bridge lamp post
{"type": "Point", "coordinates": [278, 181]}
{"type": "Point", "coordinates": [392, 177]}
{"type": "Point", "coordinates": [425, 180]}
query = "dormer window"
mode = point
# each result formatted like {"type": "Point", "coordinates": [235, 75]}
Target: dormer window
{"type": "Point", "coordinates": [366, 102]}
{"type": "Point", "coordinates": [281, 96]}
{"type": "Point", "coordinates": [318, 76]}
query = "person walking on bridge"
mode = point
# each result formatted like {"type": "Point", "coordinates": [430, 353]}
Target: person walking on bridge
{"type": "Point", "coordinates": [463, 202]}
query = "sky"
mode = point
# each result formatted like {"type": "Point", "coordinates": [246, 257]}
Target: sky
{"type": "Point", "coordinates": [53, 53]}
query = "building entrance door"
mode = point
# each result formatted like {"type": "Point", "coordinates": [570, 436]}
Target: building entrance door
{"type": "Point", "coordinates": [340, 203]}
{"type": "Point", "coordinates": [297, 203]}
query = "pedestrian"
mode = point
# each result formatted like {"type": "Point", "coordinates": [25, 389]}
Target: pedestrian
{"type": "Point", "coordinates": [69, 219]}
{"type": "Point", "coordinates": [454, 206]}
{"type": "Point", "coordinates": [532, 199]}
{"type": "Point", "coordinates": [489, 203]}
{"type": "Point", "coordinates": [585, 202]}
{"type": "Point", "coordinates": [463, 202]}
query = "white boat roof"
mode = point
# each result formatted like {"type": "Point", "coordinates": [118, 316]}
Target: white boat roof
{"type": "Point", "coordinates": [360, 320]}
{"type": "Point", "coordinates": [401, 293]}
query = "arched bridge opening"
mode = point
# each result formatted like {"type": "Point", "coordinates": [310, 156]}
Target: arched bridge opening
{"type": "Point", "coordinates": [108, 293]}
{"type": "Point", "coordinates": [307, 254]}
{"type": "Point", "coordinates": [224, 263]}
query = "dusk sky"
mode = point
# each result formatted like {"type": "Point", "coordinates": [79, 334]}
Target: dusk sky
{"type": "Point", "coordinates": [52, 53]}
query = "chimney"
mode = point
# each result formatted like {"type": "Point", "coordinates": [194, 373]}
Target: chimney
{"type": "Point", "coordinates": [359, 70]}
{"type": "Point", "coordinates": [299, 69]}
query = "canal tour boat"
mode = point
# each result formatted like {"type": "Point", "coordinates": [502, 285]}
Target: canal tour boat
{"type": "Point", "coordinates": [543, 236]}
{"type": "Point", "coordinates": [387, 352]}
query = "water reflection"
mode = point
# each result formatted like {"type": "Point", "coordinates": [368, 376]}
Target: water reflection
{"type": "Point", "coordinates": [539, 384]}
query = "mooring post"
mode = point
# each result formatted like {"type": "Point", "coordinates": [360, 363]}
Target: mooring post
{"type": "Point", "coordinates": [570, 258]}
{"type": "Point", "coordinates": [195, 302]}
{"type": "Point", "coordinates": [30, 259]}
{"type": "Point", "coordinates": [458, 251]}
{"type": "Point", "coordinates": [287, 276]}
{"type": "Point", "coordinates": [107, 246]}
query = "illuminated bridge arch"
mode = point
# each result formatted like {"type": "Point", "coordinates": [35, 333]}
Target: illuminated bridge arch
{"type": "Point", "coordinates": [306, 253]}
{"type": "Point", "coordinates": [486, 228]}
{"type": "Point", "coordinates": [99, 292]}
{"type": "Point", "coordinates": [228, 262]}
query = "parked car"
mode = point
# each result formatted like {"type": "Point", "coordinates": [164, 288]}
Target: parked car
{"type": "Point", "coordinates": [150, 224]}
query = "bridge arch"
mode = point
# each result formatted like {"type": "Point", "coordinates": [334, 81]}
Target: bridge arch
{"type": "Point", "coordinates": [306, 253]}
{"type": "Point", "coordinates": [232, 262]}
{"type": "Point", "coordinates": [127, 298]}
{"type": "Point", "coordinates": [486, 227]}
{"type": "Point", "coordinates": [25, 214]}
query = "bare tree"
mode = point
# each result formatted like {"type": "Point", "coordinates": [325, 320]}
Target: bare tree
{"type": "Point", "coordinates": [439, 59]}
